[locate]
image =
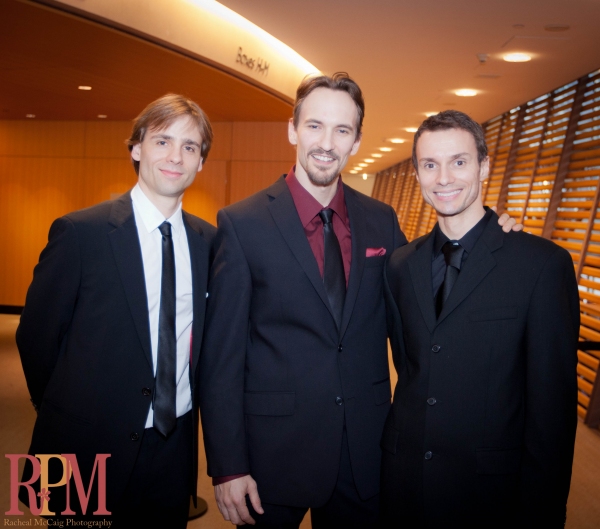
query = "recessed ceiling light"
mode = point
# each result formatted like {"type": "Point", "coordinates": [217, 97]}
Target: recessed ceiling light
{"type": "Point", "coordinates": [365, 176]}
{"type": "Point", "coordinates": [411, 129]}
{"type": "Point", "coordinates": [102, 116]}
{"type": "Point", "coordinates": [30, 115]}
{"type": "Point", "coordinates": [557, 27]}
{"type": "Point", "coordinates": [385, 149]}
{"type": "Point", "coordinates": [396, 140]}
{"type": "Point", "coordinates": [363, 164]}
{"type": "Point", "coordinates": [466, 92]}
{"type": "Point", "coordinates": [516, 57]}
{"type": "Point", "coordinates": [84, 87]}
{"type": "Point", "coordinates": [377, 155]}
{"type": "Point", "coordinates": [369, 160]}
{"type": "Point", "coordinates": [429, 114]}
{"type": "Point", "coordinates": [353, 172]}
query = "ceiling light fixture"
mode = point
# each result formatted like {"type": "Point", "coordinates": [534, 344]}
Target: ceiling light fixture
{"type": "Point", "coordinates": [517, 57]}
{"type": "Point", "coordinates": [353, 172]}
{"type": "Point", "coordinates": [385, 149]}
{"type": "Point", "coordinates": [363, 164]}
{"type": "Point", "coordinates": [30, 116]}
{"type": "Point", "coordinates": [102, 116]}
{"type": "Point", "coordinates": [396, 140]}
{"type": "Point", "coordinates": [369, 160]}
{"type": "Point", "coordinates": [411, 129]}
{"type": "Point", "coordinates": [84, 87]}
{"type": "Point", "coordinates": [377, 155]}
{"type": "Point", "coordinates": [466, 92]}
{"type": "Point", "coordinates": [429, 114]}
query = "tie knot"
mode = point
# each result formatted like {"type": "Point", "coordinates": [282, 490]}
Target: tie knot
{"type": "Point", "coordinates": [165, 229]}
{"type": "Point", "coordinates": [453, 253]}
{"type": "Point", "coordinates": [326, 215]}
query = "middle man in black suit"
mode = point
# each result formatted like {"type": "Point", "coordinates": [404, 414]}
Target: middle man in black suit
{"type": "Point", "coordinates": [295, 390]}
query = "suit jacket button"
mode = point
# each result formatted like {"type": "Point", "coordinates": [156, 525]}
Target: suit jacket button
{"type": "Point", "coordinates": [428, 455]}
{"type": "Point", "coordinates": [146, 392]}
{"type": "Point", "coordinates": [436, 348]}
{"type": "Point", "coordinates": [431, 401]}
{"type": "Point", "coordinates": [339, 401]}
{"type": "Point", "coordinates": [134, 436]}
{"type": "Point", "coordinates": [340, 348]}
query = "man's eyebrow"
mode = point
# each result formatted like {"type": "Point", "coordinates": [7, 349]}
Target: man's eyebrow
{"type": "Point", "coordinates": [340, 125]}
{"type": "Point", "coordinates": [453, 157]}
{"type": "Point", "coordinates": [186, 141]}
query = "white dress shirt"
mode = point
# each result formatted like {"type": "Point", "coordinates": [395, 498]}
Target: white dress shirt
{"type": "Point", "coordinates": [147, 219]}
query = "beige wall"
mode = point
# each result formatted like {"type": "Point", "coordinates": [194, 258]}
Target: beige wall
{"type": "Point", "coordinates": [50, 168]}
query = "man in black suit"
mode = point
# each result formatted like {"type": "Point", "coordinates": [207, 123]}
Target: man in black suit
{"type": "Point", "coordinates": [111, 331]}
{"type": "Point", "coordinates": [485, 327]}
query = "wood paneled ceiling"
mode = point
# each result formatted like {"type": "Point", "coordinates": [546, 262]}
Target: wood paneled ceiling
{"type": "Point", "coordinates": [408, 56]}
{"type": "Point", "coordinates": [47, 54]}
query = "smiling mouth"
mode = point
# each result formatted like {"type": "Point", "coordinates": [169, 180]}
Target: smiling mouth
{"type": "Point", "coordinates": [324, 158]}
{"type": "Point", "coordinates": [170, 174]}
{"type": "Point", "coordinates": [447, 194]}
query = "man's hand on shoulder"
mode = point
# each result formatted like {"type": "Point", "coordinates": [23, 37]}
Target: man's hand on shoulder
{"type": "Point", "coordinates": [508, 223]}
{"type": "Point", "coordinates": [231, 500]}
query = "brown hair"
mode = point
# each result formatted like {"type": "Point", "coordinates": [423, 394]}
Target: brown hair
{"type": "Point", "coordinates": [338, 81]}
{"type": "Point", "coordinates": [159, 114]}
{"type": "Point", "coordinates": [452, 119]}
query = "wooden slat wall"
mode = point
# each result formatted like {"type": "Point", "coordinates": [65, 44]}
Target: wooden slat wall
{"type": "Point", "coordinates": [50, 168]}
{"type": "Point", "coordinates": [545, 172]}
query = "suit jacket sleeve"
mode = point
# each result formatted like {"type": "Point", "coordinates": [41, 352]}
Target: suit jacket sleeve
{"type": "Point", "coordinates": [49, 306]}
{"type": "Point", "coordinates": [222, 361]}
{"type": "Point", "coordinates": [551, 393]}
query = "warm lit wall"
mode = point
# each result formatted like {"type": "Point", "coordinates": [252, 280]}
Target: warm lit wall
{"type": "Point", "coordinates": [50, 168]}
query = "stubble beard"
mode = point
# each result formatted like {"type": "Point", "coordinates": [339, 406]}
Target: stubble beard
{"type": "Point", "coordinates": [322, 178]}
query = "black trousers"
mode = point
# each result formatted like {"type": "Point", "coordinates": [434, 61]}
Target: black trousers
{"type": "Point", "coordinates": [158, 492]}
{"type": "Point", "coordinates": [345, 509]}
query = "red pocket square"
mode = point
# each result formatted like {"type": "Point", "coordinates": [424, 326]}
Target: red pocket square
{"type": "Point", "coordinates": [374, 252]}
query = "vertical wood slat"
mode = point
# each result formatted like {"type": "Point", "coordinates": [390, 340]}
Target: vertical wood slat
{"type": "Point", "coordinates": [512, 156]}
{"type": "Point", "coordinates": [565, 156]}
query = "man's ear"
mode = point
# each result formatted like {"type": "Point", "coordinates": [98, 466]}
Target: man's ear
{"type": "Point", "coordinates": [200, 164]}
{"type": "Point", "coordinates": [136, 152]}
{"type": "Point", "coordinates": [292, 134]}
{"type": "Point", "coordinates": [484, 169]}
{"type": "Point", "coordinates": [356, 144]}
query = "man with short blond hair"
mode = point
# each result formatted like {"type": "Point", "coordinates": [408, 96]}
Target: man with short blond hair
{"type": "Point", "coordinates": [111, 330]}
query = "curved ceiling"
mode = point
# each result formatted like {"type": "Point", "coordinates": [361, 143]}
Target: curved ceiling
{"type": "Point", "coordinates": [47, 54]}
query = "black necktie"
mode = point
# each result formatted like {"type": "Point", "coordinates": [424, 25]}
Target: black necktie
{"type": "Point", "coordinates": [453, 253]}
{"type": "Point", "coordinates": [165, 415]}
{"type": "Point", "coordinates": [334, 277]}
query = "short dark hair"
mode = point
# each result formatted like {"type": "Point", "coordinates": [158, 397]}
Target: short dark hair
{"type": "Point", "coordinates": [338, 81]}
{"type": "Point", "coordinates": [452, 119]}
{"type": "Point", "coordinates": [159, 114]}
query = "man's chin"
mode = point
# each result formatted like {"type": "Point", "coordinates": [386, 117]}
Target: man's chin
{"type": "Point", "coordinates": [322, 179]}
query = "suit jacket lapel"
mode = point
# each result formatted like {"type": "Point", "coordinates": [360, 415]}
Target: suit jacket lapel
{"type": "Point", "coordinates": [419, 264]}
{"type": "Point", "coordinates": [478, 265]}
{"type": "Point", "coordinates": [283, 211]}
{"type": "Point", "coordinates": [199, 250]}
{"type": "Point", "coordinates": [358, 230]}
{"type": "Point", "coordinates": [128, 256]}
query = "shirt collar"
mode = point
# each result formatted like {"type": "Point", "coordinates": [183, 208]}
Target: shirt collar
{"type": "Point", "coordinates": [467, 241]}
{"type": "Point", "coordinates": [151, 217]}
{"type": "Point", "coordinates": [308, 207]}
